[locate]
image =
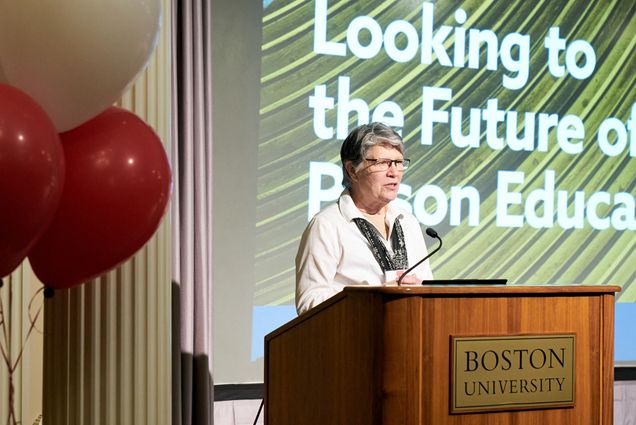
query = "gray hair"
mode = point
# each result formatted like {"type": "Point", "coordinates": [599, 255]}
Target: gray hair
{"type": "Point", "coordinates": [361, 139]}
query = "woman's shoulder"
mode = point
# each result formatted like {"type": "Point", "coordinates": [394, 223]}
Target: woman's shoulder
{"type": "Point", "coordinates": [324, 226]}
{"type": "Point", "coordinates": [327, 215]}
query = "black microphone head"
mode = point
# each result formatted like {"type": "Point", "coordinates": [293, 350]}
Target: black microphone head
{"type": "Point", "coordinates": [431, 232]}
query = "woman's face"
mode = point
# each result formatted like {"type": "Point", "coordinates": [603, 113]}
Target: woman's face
{"type": "Point", "coordinates": [371, 186]}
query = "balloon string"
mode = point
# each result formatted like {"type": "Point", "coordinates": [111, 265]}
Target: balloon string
{"type": "Point", "coordinates": [4, 332]}
{"type": "Point", "coordinates": [5, 348]}
{"type": "Point", "coordinates": [32, 321]}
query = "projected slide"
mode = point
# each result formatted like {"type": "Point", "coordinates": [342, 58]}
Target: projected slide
{"type": "Point", "coordinates": [519, 119]}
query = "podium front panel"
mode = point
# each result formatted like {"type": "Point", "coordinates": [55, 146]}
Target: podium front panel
{"type": "Point", "coordinates": [382, 355]}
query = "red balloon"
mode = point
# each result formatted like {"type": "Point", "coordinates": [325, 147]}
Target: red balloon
{"type": "Point", "coordinates": [31, 175]}
{"type": "Point", "coordinates": [117, 187]}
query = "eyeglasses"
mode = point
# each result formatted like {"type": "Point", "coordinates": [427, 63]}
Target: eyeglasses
{"type": "Point", "coordinates": [383, 164]}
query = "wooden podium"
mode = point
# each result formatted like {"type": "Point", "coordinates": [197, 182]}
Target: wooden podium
{"type": "Point", "coordinates": [382, 355]}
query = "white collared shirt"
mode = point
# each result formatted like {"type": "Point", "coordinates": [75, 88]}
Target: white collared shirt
{"type": "Point", "coordinates": [333, 253]}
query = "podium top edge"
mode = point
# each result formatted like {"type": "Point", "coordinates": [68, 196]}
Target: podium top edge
{"type": "Point", "coordinates": [436, 289]}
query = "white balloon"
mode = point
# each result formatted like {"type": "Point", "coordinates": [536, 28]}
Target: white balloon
{"type": "Point", "coordinates": [76, 57]}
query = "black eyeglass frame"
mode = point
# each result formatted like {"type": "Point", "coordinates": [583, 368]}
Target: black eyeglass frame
{"type": "Point", "coordinates": [400, 164]}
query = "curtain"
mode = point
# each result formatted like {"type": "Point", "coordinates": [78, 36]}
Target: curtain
{"type": "Point", "coordinates": [192, 214]}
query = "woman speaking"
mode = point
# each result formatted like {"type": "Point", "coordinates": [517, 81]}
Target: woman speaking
{"type": "Point", "coordinates": [363, 239]}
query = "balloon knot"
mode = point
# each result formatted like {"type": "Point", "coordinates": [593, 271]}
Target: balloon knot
{"type": "Point", "coordinates": [49, 292]}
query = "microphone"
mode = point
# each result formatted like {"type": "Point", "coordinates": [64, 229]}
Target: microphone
{"type": "Point", "coordinates": [433, 234]}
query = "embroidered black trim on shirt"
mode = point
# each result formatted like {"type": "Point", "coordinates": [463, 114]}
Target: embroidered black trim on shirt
{"type": "Point", "coordinates": [399, 259]}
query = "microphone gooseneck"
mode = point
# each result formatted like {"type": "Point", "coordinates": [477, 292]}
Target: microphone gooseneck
{"type": "Point", "coordinates": [433, 234]}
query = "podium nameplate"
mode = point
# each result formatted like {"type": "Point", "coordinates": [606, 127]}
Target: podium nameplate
{"type": "Point", "coordinates": [492, 373]}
